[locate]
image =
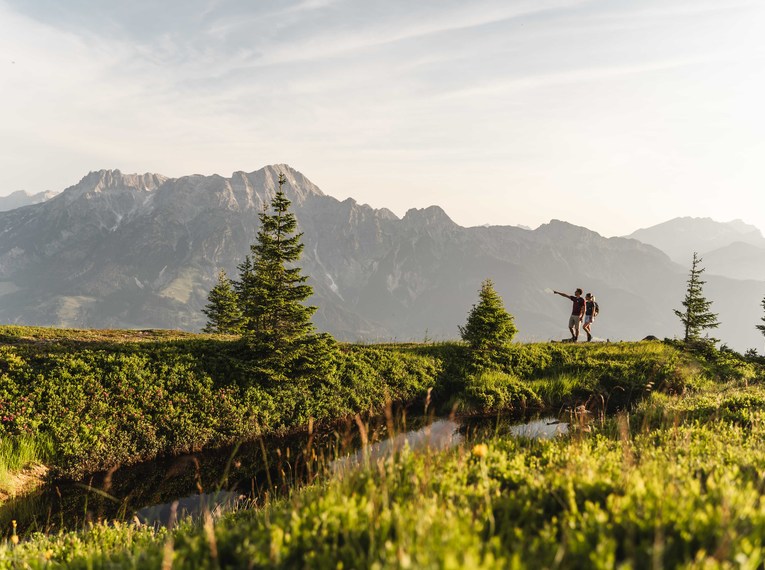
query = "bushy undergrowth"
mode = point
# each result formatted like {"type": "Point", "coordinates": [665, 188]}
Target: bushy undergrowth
{"type": "Point", "coordinates": [129, 402]}
{"type": "Point", "coordinates": [554, 375]}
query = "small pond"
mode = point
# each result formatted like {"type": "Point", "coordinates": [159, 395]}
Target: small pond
{"type": "Point", "coordinates": [165, 490]}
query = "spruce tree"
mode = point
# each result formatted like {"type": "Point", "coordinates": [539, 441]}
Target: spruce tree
{"type": "Point", "coordinates": [761, 328]}
{"type": "Point", "coordinates": [489, 326]}
{"type": "Point", "coordinates": [276, 316]}
{"type": "Point", "coordinates": [696, 316]}
{"type": "Point", "coordinates": [223, 313]}
{"type": "Point", "coordinates": [244, 288]}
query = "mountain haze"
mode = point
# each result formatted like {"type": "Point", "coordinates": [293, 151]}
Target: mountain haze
{"type": "Point", "coordinates": [738, 260]}
{"type": "Point", "coordinates": [142, 251]}
{"type": "Point", "coordinates": [680, 237]}
{"type": "Point", "coordinates": [731, 249]}
{"type": "Point", "coordinates": [22, 198]}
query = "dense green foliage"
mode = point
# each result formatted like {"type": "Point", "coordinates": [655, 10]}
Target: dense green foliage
{"type": "Point", "coordinates": [696, 317]}
{"type": "Point", "coordinates": [676, 484]}
{"type": "Point", "coordinates": [552, 375]}
{"type": "Point", "coordinates": [224, 315]}
{"type": "Point", "coordinates": [104, 405]}
{"type": "Point", "coordinates": [489, 328]}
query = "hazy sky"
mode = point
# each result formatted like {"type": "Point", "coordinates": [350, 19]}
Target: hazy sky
{"type": "Point", "coordinates": [614, 114]}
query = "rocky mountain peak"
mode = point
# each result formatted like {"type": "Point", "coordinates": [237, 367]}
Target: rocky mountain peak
{"type": "Point", "coordinates": [297, 188]}
{"type": "Point", "coordinates": [430, 217]}
{"type": "Point", "coordinates": [111, 181]}
{"type": "Point", "coordinates": [565, 231]}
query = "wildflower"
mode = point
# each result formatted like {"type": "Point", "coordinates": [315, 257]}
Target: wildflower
{"type": "Point", "coordinates": [480, 450]}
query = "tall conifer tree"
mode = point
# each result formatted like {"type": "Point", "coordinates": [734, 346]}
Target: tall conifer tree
{"type": "Point", "coordinates": [222, 310]}
{"type": "Point", "coordinates": [277, 317]}
{"type": "Point", "coordinates": [761, 328]}
{"type": "Point", "coordinates": [696, 316]}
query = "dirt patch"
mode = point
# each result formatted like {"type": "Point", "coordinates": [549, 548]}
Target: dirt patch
{"type": "Point", "coordinates": [24, 481]}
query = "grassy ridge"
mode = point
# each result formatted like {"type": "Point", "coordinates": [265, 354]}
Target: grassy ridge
{"type": "Point", "coordinates": [105, 398]}
{"type": "Point", "coordinates": [672, 485]}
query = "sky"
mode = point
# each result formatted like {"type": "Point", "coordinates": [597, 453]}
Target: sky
{"type": "Point", "coordinates": [614, 115]}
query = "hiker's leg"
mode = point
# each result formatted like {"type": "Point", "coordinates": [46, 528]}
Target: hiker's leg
{"type": "Point", "coordinates": [573, 323]}
{"type": "Point", "coordinates": [576, 329]}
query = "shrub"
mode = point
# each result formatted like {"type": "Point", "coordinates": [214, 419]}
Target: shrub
{"type": "Point", "coordinates": [492, 390]}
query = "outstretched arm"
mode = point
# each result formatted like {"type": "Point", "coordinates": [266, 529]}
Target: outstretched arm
{"type": "Point", "coordinates": [561, 294]}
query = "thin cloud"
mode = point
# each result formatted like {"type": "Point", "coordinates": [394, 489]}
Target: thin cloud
{"type": "Point", "coordinates": [397, 24]}
{"type": "Point", "coordinates": [580, 75]}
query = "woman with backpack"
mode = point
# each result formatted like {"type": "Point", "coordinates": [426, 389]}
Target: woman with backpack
{"type": "Point", "coordinates": [591, 310]}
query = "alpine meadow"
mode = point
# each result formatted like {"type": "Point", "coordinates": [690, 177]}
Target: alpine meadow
{"type": "Point", "coordinates": [515, 318]}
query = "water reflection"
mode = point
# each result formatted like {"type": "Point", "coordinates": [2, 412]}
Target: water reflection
{"type": "Point", "coordinates": [193, 506]}
{"type": "Point", "coordinates": [544, 428]}
{"type": "Point", "coordinates": [156, 492]}
{"type": "Point", "coordinates": [437, 436]}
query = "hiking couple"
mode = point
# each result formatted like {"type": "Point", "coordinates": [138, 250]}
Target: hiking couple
{"type": "Point", "coordinates": [584, 309]}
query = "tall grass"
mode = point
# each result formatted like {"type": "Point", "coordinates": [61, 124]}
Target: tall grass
{"type": "Point", "coordinates": [18, 452]}
{"type": "Point", "coordinates": [560, 387]}
{"type": "Point", "coordinates": [619, 496]}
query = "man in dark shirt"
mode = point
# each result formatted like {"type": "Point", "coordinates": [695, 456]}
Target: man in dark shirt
{"type": "Point", "coordinates": [577, 312]}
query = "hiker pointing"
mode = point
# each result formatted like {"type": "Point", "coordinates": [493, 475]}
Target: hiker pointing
{"type": "Point", "coordinates": [577, 312]}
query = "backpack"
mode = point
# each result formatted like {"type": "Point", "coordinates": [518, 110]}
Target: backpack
{"type": "Point", "coordinates": [595, 308]}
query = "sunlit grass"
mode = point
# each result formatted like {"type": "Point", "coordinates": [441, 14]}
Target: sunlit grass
{"type": "Point", "coordinates": [18, 452]}
{"type": "Point", "coordinates": [560, 387]}
{"type": "Point", "coordinates": [622, 494]}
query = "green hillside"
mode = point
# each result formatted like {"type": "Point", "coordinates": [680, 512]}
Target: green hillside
{"type": "Point", "coordinates": [647, 418]}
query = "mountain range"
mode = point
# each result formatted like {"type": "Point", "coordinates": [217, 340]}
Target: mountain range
{"type": "Point", "coordinates": [143, 251]}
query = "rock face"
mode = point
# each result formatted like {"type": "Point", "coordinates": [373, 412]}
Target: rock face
{"type": "Point", "coordinates": [142, 251]}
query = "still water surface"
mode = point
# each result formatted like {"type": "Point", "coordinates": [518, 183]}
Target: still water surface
{"type": "Point", "coordinates": [162, 491]}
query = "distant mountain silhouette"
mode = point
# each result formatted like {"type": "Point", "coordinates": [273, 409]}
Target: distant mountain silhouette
{"type": "Point", "coordinates": [21, 198]}
{"type": "Point", "coordinates": [738, 260]}
{"type": "Point", "coordinates": [142, 251]}
{"type": "Point", "coordinates": [680, 237]}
